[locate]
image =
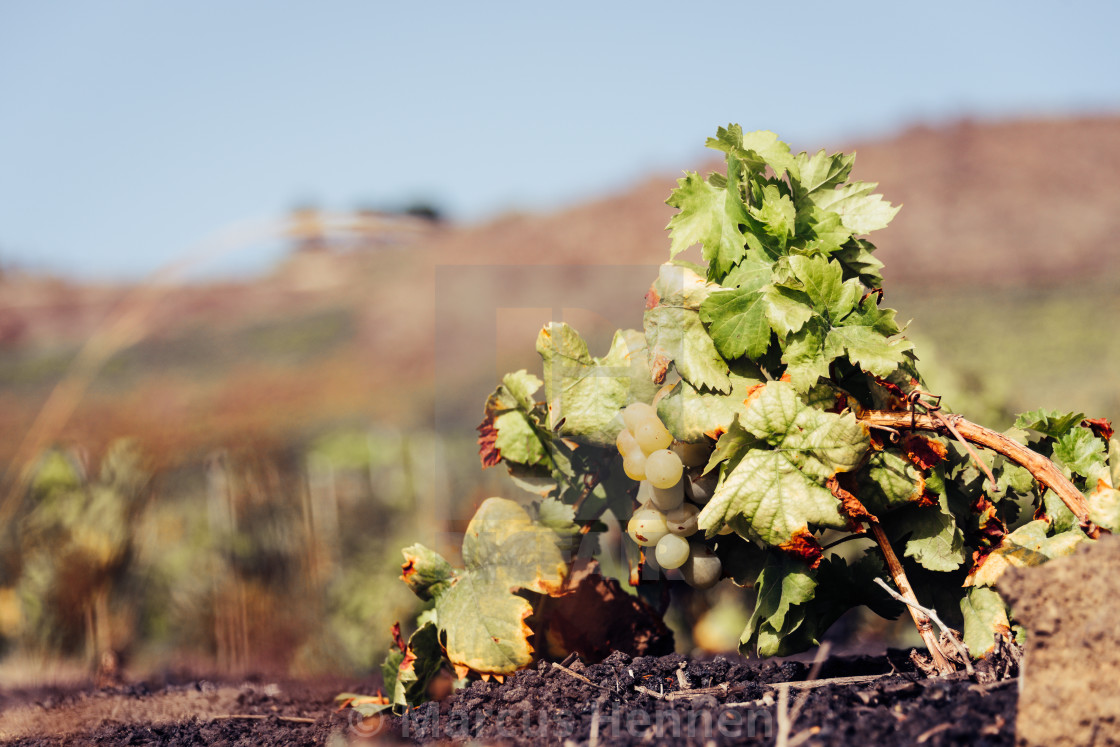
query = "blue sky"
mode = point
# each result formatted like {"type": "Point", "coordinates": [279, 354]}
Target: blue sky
{"type": "Point", "coordinates": [131, 130]}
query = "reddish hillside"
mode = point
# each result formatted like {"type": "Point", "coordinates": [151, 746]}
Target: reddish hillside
{"type": "Point", "coordinates": [387, 332]}
{"type": "Point", "coordinates": [1014, 202]}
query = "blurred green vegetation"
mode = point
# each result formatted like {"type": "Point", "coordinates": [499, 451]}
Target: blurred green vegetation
{"type": "Point", "coordinates": [994, 352]}
{"type": "Point", "coordinates": [281, 561]}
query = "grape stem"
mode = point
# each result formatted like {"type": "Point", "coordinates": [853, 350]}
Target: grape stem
{"type": "Point", "coordinates": [1042, 469]}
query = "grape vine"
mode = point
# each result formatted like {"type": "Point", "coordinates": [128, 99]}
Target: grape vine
{"type": "Point", "coordinates": [770, 409]}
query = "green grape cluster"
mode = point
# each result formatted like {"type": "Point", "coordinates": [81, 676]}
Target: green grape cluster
{"type": "Point", "coordinates": [669, 498]}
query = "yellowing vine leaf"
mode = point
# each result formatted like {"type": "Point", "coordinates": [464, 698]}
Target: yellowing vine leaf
{"type": "Point", "coordinates": [1026, 546]}
{"type": "Point", "coordinates": [1104, 506]}
{"type": "Point", "coordinates": [481, 617]}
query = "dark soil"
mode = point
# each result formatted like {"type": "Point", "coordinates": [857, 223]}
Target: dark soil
{"type": "Point", "coordinates": [735, 701]}
{"type": "Point", "coordinates": [550, 705]}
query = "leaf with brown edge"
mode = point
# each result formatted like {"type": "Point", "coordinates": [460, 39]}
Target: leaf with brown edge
{"type": "Point", "coordinates": [398, 639]}
{"type": "Point", "coordinates": [923, 452]}
{"type": "Point", "coordinates": [482, 618]}
{"type": "Point", "coordinates": [425, 572]}
{"type": "Point", "coordinates": [652, 298]}
{"type": "Point", "coordinates": [507, 429]}
{"type": "Point", "coordinates": [1101, 427]}
{"type": "Point", "coordinates": [989, 526]}
{"type": "Point", "coordinates": [928, 498]}
{"type": "Point", "coordinates": [1026, 546]}
{"type": "Point", "coordinates": [850, 506]}
{"type": "Point", "coordinates": [1104, 506]}
{"type": "Point", "coordinates": [778, 487]}
{"type": "Point", "coordinates": [675, 334]}
{"type": "Point", "coordinates": [890, 481]}
{"type": "Point", "coordinates": [423, 661]}
{"type": "Point", "coordinates": [488, 451]}
{"type": "Point", "coordinates": [805, 546]}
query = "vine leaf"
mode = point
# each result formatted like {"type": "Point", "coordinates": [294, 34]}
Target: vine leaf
{"type": "Point", "coordinates": [1049, 422]}
{"type": "Point", "coordinates": [756, 150]}
{"type": "Point", "coordinates": [681, 285]}
{"type": "Point", "coordinates": [823, 282]}
{"type": "Point", "coordinates": [817, 313]}
{"type": "Point", "coordinates": [710, 214]}
{"type": "Point", "coordinates": [736, 319]}
{"type": "Point", "coordinates": [860, 210]}
{"type": "Point", "coordinates": [820, 171]}
{"type": "Point", "coordinates": [936, 542]}
{"type": "Point", "coordinates": [421, 662]}
{"type": "Point", "coordinates": [780, 491]}
{"type": "Point", "coordinates": [785, 584]}
{"type": "Point", "coordinates": [890, 481]}
{"type": "Point", "coordinates": [1026, 546]}
{"type": "Point", "coordinates": [731, 446]}
{"type": "Point", "coordinates": [1080, 451]}
{"type": "Point", "coordinates": [585, 393]}
{"type": "Point", "coordinates": [985, 617]}
{"type": "Point", "coordinates": [676, 335]}
{"type": "Point", "coordinates": [514, 434]}
{"type": "Point", "coordinates": [425, 572]}
{"type": "Point", "coordinates": [517, 440]}
{"type": "Point", "coordinates": [777, 214]}
{"type": "Point", "coordinates": [480, 616]}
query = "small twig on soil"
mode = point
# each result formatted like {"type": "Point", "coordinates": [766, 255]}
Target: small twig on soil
{"type": "Point", "coordinates": [258, 717]}
{"type": "Point", "coordinates": [851, 680]}
{"type": "Point", "coordinates": [784, 722]}
{"type": "Point", "coordinates": [578, 676]}
{"type": "Point", "coordinates": [682, 678]}
{"type": "Point", "coordinates": [810, 684]}
{"type": "Point", "coordinates": [700, 692]}
{"type": "Point", "coordinates": [921, 620]}
{"type": "Point", "coordinates": [925, 735]}
{"type": "Point", "coordinates": [933, 616]}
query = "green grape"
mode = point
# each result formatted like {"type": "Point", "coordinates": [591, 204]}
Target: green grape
{"type": "Point", "coordinates": [626, 443]}
{"type": "Point", "coordinates": [663, 468]}
{"type": "Point", "coordinates": [647, 526]}
{"type": "Point", "coordinates": [636, 414]}
{"type": "Point", "coordinates": [703, 568]}
{"type": "Point", "coordinates": [634, 465]}
{"type": "Point", "coordinates": [682, 520]}
{"type": "Point", "coordinates": [700, 489]}
{"type": "Point", "coordinates": [653, 436]}
{"type": "Point", "coordinates": [671, 551]}
{"type": "Point", "coordinates": [692, 455]}
{"type": "Point", "coordinates": [669, 498]}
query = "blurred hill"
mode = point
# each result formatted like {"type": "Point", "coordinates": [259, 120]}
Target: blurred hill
{"type": "Point", "coordinates": [1003, 254]}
